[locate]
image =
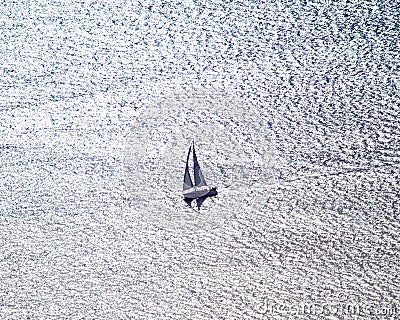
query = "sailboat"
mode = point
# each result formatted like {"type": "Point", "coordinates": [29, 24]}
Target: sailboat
{"type": "Point", "coordinates": [199, 190]}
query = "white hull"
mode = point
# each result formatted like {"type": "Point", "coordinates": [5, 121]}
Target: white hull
{"type": "Point", "coordinates": [196, 192]}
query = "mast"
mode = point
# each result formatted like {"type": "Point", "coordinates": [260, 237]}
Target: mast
{"type": "Point", "coordinates": [187, 180]}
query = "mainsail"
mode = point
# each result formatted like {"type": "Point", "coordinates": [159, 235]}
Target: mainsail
{"type": "Point", "coordinates": [199, 180]}
{"type": "Point", "coordinates": [187, 181]}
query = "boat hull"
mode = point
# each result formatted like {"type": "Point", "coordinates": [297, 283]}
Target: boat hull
{"type": "Point", "coordinates": [196, 192]}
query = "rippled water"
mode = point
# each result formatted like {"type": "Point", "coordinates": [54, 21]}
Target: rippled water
{"type": "Point", "coordinates": [295, 110]}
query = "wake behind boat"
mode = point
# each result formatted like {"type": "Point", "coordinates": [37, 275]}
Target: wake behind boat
{"type": "Point", "coordinates": [199, 190]}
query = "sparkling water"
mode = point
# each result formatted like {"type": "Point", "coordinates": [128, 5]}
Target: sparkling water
{"type": "Point", "coordinates": [294, 107]}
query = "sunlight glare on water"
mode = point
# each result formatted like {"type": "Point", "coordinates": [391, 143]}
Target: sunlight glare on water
{"type": "Point", "coordinates": [294, 108]}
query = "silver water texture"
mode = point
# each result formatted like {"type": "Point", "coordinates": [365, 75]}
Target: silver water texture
{"type": "Point", "coordinates": [312, 229]}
